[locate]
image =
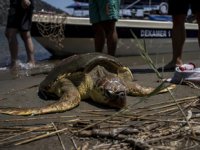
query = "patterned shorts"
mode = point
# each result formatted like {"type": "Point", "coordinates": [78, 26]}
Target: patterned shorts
{"type": "Point", "coordinates": [103, 10]}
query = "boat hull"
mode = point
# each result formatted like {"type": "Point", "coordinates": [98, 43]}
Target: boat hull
{"type": "Point", "coordinates": [78, 36]}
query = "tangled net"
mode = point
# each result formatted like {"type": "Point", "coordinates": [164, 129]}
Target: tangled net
{"type": "Point", "coordinates": [52, 26]}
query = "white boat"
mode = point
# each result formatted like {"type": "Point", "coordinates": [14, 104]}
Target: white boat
{"type": "Point", "coordinates": [77, 35]}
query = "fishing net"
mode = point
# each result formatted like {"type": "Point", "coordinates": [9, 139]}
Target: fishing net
{"type": "Point", "coordinates": [52, 26]}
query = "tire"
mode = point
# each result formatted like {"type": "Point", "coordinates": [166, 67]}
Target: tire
{"type": "Point", "coordinates": [163, 8]}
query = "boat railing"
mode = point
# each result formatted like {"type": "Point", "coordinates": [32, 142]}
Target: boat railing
{"type": "Point", "coordinates": [132, 4]}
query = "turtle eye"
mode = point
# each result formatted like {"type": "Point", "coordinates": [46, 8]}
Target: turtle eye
{"type": "Point", "coordinates": [101, 89]}
{"type": "Point", "coordinates": [109, 93]}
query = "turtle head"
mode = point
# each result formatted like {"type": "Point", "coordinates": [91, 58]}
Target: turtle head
{"type": "Point", "coordinates": [110, 91]}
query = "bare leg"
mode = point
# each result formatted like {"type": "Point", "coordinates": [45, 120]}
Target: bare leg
{"type": "Point", "coordinates": [198, 21]}
{"type": "Point", "coordinates": [112, 37]}
{"type": "Point", "coordinates": [178, 38]}
{"type": "Point", "coordinates": [26, 37]}
{"type": "Point", "coordinates": [99, 37]}
{"type": "Point", "coordinates": [11, 35]}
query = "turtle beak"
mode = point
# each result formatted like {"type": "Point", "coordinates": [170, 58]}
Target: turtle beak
{"type": "Point", "coordinates": [121, 99]}
{"type": "Point", "coordinates": [117, 100]}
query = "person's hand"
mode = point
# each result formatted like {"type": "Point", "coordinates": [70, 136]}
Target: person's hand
{"type": "Point", "coordinates": [26, 3]}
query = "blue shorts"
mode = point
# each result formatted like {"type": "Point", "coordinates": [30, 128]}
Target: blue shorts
{"type": "Point", "coordinates": [177, 7]}
{"type": "Point", "coordinates": [103, 10]}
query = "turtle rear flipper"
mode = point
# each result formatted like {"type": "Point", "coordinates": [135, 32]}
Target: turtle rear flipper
{"type": "Point", "coordinates": [70, 99]}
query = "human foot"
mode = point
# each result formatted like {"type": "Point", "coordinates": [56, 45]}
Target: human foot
{"type": "Point", "coordinates": [14, 65]}
{"type": "Point", "coordinates": [29, 65]}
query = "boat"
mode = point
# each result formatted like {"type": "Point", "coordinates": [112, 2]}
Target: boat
{"type": "Point", "coordinates": [76, 35]}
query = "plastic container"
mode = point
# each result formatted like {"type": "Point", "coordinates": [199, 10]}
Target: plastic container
{"type": "Point", "coordinates": [189, 66]}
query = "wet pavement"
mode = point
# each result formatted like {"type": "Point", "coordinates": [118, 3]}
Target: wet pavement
{"type": "Point", "coordinates": [21, 91]}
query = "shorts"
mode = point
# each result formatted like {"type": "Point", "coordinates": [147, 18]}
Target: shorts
{"type": "Point", "coordinates": [103, 10]}
{"type": "Point", "coordinates": [18, 17]}
{"type": "Point", "coordinates": [177, 7]}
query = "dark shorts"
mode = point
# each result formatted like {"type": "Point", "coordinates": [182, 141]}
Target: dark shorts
{"type": "Point", "coordinates": [181, 6]}
{"type": "Point", "coordinates": [18, 17]}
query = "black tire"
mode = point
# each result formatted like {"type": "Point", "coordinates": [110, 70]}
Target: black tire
{"type": "Point", "coordinates": [163, 8]}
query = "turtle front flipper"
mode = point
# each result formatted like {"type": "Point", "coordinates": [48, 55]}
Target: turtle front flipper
{"type": "Point", "coordinates": [134, 89]}
{"type": "Point", "coordinates": [69, 99]}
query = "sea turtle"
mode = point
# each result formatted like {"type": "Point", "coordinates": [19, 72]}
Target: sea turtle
{"type": "Point", "coordinates": [96, 76]}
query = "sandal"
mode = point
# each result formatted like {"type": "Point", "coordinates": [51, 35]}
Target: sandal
{"type": "Point", "coordinates": [169, 67]}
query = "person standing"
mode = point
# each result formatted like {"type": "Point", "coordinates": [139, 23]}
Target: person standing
{"type": "Point", "coordinates": [103, 16]}
{"type": "Point", "coordinates": [178, 9]}
{"type": "Point", "coordinates": [20, 20]}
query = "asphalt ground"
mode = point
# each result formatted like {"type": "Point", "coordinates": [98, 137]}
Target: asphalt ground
{"type": "Point", "coordinates": [21, 91]}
